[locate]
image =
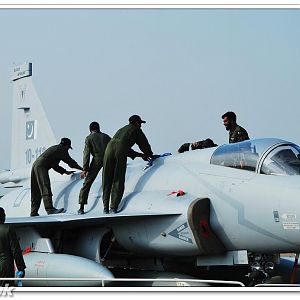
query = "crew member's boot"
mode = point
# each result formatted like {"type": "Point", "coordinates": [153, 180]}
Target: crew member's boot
{"type": "Point", "coordinates": [81, 209]}
{"type": "Point", "coordinates": [49, 206]}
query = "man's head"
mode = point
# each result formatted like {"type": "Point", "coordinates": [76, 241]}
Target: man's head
{"type": "Point", "coordinates": [2, 215]}
{"type": "Point", "coordinates": [229, 120]}
{"type": "Point", "coordinates": [66, 142]}
{"type": "Point", "coordinates": [136, 120]}
{"type": "Point", "coordinates": [94, 126]}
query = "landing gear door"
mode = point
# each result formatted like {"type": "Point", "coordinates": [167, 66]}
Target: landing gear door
{"type": "Point", "coordinates": [198, 218]}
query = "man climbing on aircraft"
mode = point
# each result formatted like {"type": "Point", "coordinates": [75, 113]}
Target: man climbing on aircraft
{"type": "Point", "coordinates": [197, 145]}
{"type": "Point", "coordinates": [40, 181]}
{"type": "Point", "coordinates": [10, 251]}
{"type": "Point", "coordinates": [95, 145]}
{"type": "Point", "coordinates": [115, 158]}
{"type": "Point", "coordinates": [236, 133]}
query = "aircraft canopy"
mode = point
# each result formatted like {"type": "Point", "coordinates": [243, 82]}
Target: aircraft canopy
{"type": "Point", "coordinates": [279, 157]}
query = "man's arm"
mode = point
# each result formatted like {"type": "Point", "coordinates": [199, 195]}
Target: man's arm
{"type": "Point", "coordinates": [16, 250]}
{"type": "Point", "coordinates": [71, 162]}
{"type": "Point", "coordinates": [143, 144]}
{"type": "Point", "coordinates": [86, 155]}
{"type": "Point", "coordinates": [59, 169]}
{"type": "Point", "coordinates": [241, 135]}
{"type": "Point", "coordinates": [133, 154]}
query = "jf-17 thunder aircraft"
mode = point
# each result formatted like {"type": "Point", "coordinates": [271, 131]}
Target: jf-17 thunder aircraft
{"type": "Point", "coordinates": [223, 213]}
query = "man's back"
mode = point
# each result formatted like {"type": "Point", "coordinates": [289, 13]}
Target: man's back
{"type": "Point", "coordinates": [53, 155]}
{"type": "Point", "coordinates": [131, 134]}
{"type": "Point", "coordinates": [127, 134]}
{"type": "Point", "coordinates": [50, 155]}
{"type": "Point", "coordinates": [4, 242]}
{"type": "Point", "coordinates": [96, 144]}
{"type": "Point", "coordinates": [10, 249]}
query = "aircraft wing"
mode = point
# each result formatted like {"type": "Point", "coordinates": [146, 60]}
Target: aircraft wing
{"type": "Point", "coordinates": [86, 219]}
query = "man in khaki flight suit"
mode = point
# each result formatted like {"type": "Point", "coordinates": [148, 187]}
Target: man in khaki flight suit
{"type": "Point", "coordinates": [115, 159]}
{"type": "Point", "coordinates": [10, 251]}
{"type": "Point", "coordinates": [40, 181]}
{"type": "Point", "coordinates": [95, 145]}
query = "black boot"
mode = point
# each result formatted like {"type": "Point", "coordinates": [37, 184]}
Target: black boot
{"type": "Point", "coordinates": [55, 211]}
{"type": "Point", "coordinates": [81, 209]}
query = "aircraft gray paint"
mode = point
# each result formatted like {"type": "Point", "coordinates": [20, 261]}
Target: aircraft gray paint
{"type": "Point", "coordinates": [239, 207]}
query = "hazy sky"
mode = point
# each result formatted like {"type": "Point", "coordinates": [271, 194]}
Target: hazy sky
{"type": "Point", "coordinates": [180, 69]}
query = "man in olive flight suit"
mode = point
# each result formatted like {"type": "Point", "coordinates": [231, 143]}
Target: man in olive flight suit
{"type": "Point", "coordinates": [95, 145]}
{"type": "Point", "coordinates": [115, 159]}
{"type": "Point", "coordinates": [40, 181]}
{"type": "Point", "coordinates": [10, 251]}
{"type": "Point", "coordinates": [236, 133]}
{"type": "Point", "coordinates": [197, 145]}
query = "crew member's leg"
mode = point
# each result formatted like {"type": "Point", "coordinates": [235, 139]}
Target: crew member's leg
{"type": "Point", "coordinates": [107, 177]}
{"type": "Point", "coordinates": [36, 196]}
{"type": "Point", "coordinates": [90, 178]}
{"type": "Point", "coordinates": [118, 185]}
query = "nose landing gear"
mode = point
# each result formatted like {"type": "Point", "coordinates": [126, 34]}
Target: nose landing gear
{"type": "Point", "coordinates": [262, 267]}
{"type": "Point", "coordinates": [293, 278]}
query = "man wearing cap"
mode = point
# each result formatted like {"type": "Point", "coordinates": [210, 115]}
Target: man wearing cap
{"type": "Point", "coordinates": [95, 145]}
{"type": "Point", "coordinates": [40, 181]}
{"type": "Point", "coordinates": [115, 159]}
{"type": "Point", "coordinates": [10, 251]}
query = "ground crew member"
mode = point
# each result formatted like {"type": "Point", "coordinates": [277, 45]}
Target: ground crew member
{"type": "Point", "coordinates": [115, 159]}
{"type": "Point", "coordinates": [197, 145]}
{"type": "Point", "coordinates": [40, 181]}
{"type": "Point", "coordinates": [236, 132]}
{"type": "Point", "coordinates": [10, 251]}
{"type": "Point", "coordinates": [95, 145]}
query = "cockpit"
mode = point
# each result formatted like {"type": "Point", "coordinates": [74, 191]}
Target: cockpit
{"type": "Point", "coordinates": [283, 160]}
{"type": "Point", "coordinates": [264, 156]}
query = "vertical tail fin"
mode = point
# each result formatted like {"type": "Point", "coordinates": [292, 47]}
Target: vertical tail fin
{"type": "Point", "coordinates": [31, 131]}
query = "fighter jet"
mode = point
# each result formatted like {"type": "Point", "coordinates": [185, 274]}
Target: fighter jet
{"type": "Point", "coordinates": [231, 207]}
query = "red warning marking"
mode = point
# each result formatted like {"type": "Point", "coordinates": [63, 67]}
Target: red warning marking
{"type": "Point", "coordinates": [204, 228]}
{"type": "Point", "coordinates": [27, 250]}
{"type": "Point", "coordinates": [178, 193]}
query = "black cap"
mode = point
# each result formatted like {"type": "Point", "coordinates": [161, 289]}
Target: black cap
{"type": "Point", "coordinates": [66, 142]}
{"type": "Point", "coordinates": [136, 118]}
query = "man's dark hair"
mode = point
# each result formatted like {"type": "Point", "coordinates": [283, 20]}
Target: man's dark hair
{"type": "Point", "coordinates": [94, 126]}
{"type": "Point", "coordinates": [2, 215]}
{"type": "Point", "coordinates": [230, 116]}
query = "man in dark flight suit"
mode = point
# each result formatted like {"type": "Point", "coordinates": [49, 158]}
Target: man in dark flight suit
{"type": "Point", "coordinates": [95, 145]}
{"type": "Point", "coordinates": [115, 159]}
{"type": "Point", "coordinates": [236, 133]}
{"type": "Point", "coordinates": [40, 181]}
{"type": "Point", "coordinates": [10, 251]}
{"type": "Point", "coordinates": [197, 145]}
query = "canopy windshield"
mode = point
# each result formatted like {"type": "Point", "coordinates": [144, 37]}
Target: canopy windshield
{"type": "Point", "coordinates": [283, 160]}
{"type": "Point", "coordinates": [244, 155]}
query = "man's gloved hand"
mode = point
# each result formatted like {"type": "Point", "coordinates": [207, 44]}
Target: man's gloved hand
{"type": "Point", "coordinates": [69, 172]}
{"type": "Point", "coordinates": [146, 157]}
{"type": "Point", "coordinates": [20, 274]}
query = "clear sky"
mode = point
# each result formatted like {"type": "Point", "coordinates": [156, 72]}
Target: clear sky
{"type": "Point", "coordinates": [180, 69]}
